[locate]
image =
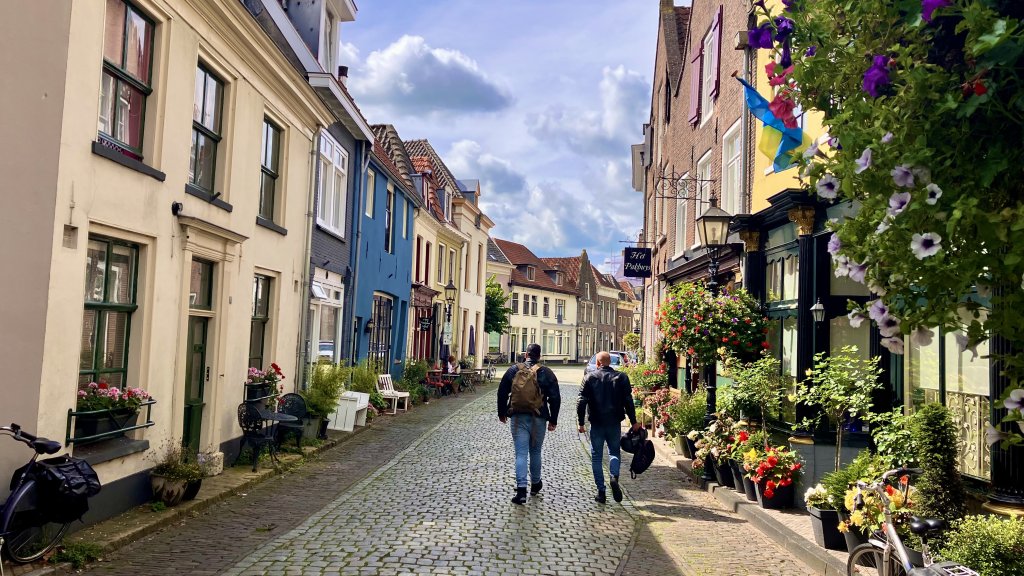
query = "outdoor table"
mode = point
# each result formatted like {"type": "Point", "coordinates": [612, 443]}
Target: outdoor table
{"type": "Point", "coordinates": [274, 418]}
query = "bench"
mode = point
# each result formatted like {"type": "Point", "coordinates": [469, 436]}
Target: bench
{"type": "Point", "coordinates": [351, 411]}
{"type": "Point", "coordinates": [386, 387]}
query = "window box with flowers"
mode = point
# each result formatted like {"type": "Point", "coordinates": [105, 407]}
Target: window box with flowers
{"type": "Point", "coordinates": [263, 384]}
{"type": "Point", "coordinates": [104, 412]}
{"type": "Point", "coordinates": [773, 472]}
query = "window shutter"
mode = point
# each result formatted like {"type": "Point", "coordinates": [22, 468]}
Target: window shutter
{"type": "Point", "coordinates": [716, 50]}
{"type": "Point", "coordinates": [695, 72]}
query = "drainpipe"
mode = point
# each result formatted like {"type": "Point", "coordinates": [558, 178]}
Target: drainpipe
{"type": "Point", "coordinates": [357, 244]}
{"type": "Point", "coordinates": [303, 348]}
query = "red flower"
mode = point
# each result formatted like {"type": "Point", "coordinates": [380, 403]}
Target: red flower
{"type": "Point", "coordinates": [979, 88]}
{"type": "Point", "coordinates": [725, 339]}
{"type": "Point", "coordinates": [796, 467]}
{"type": "Point", "coordinates": [904, 480]}
{"type": "Point", "coordinates": [769, 493]}
{"type": "Point", "coordinates": [765, 345]}
{"type": "Point", "coordinates": [744, 436]}
{"type": "Point", "coordinates": [103, 385]}
{"type": "Point", "coordinates": [890, 490]}
{"type": "Point", "coordinates": [772, 461]}
{"type": "Point", "coordinates": [785, 481]}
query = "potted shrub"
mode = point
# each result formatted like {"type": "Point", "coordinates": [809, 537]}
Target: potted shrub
{"type": "Point", "coordinates": [758, 386]}
{"type": "Point", "coordinates": [941, 492]}
{"type": "Point", "coordinates": [745, 442]}
{"type": "Point", "coordinates": [773, 474]}
{"type": "Point", "coordinates": [824, 518]}
{"type": "Point", "coordinates": [992, 545]}
{"type": "Point", "coordinates": [413, 376]}
{"type": "Point", "coordinates": [691, 412]}
{"type": "Point", "coordinates": [105, 409]}
{"type": "Point", "coordinates": [322, 395]}
{"type": "Point", "coordinates": [866, 467]}
{"type": "Point", "coordinates": [713, 449]}
{"type": "Point", "coordinates": [172, 474]}
{"type": "Point", "coordinates": [658, 405]}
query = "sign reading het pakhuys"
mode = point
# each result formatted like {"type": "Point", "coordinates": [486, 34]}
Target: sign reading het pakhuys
{"type": "Point", "coordinates": [636, 262]}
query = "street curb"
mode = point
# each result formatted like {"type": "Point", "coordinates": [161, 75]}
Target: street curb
{"type": "Point", "coordinates": [816, 558]}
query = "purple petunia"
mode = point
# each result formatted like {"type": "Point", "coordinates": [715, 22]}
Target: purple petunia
{"type": "Point", "coordinates": [877, 310]}
{"type": "Point", "coordinates": [903, 176]}
{"type": "Point", "coordinates": [928, 8]}
{"type": "Point", "coordinates": [925, 245]}
{"type": "Point", "coordinates": [893, 344]}
{"type": "Point", "coordinates": [834, 244]}
{"type": "Point", "coordinates": [760, 37]}
{"type": "Point", "coordinates": [887, 138]}
{"type": "Point", "coordinates": [922, 337]}
{"type": "Point", "coordinates": [888, 326]}
{"type": "Point", "coordinates": [811, 51]}
{"type": "Point", "coordinates": [877, 76]}
{"type": "Point", "coordinates": [786, 58]}
{"type": "Point", "coordinates": [898, 202]}
{"type": "Point", "coordinates": [857, 272]}
{"type": "Point", "coordinates": [783, 28]}
{"type": "Point", "coordinates": [864, 162]}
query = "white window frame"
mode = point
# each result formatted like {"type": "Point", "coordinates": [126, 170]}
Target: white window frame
{"type": "Point", "coordinates": [452, 272]}
{"type": "Point", "coordinates": [531, 273]}
{"type": "Point", "coordinates": [405, 217]}
{"type": "Point", "coordinates": [703, 187]}
{"type": "Point", "coordinates": [732, 174]}
{"type": "Point", "coordinates": [682, 225]}
{"type": "Point", "coordinates": [707, 103]}
{"type": "Point", "coordinates": [332, 202]}
{"type": "Point", "coordinates": [371, 184]}
{"type": "Point", "coordinates": [442, 251]}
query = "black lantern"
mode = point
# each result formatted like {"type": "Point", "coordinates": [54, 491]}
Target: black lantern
{"type": "Point", "coordinates": [369, 325]}
{"type": "Point", "coordinates": [818, 311]}
{"type": "Point", "coordinates": [449, 296]}
{"type": "Point", "coordinates": [713, 227]}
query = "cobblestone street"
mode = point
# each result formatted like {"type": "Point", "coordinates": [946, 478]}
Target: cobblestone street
{"type": "Point", "coordinates": [428, 493]}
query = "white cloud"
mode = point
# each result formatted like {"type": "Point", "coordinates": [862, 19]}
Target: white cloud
{"type": "Point", "coordinates": [348, 54]}
{"type": "Point", "coordinates": [409, 77]}
{"type": "Point", "coordinates": [608, 130]}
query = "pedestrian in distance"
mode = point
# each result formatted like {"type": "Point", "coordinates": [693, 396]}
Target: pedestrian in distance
{"type": "Point", "coordinates": [528, 397]}
{"type": "Point", "coordinates": [608, 396]}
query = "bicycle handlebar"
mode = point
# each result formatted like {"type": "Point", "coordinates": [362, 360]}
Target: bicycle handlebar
{"type": "Point", "coordinates": [18, 434]}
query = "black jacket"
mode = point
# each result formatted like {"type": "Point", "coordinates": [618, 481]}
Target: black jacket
{"type": "Point", "coordinates": [548, 388]}
{"type": "Point", "coordinates": [609, 396]}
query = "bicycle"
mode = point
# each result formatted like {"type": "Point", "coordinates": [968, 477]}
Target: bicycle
{"type": "Point", "coordinates": [27, 532]}
{"type": "Point", "coordinates": [489, 369]}
{"type": "Point", "coordinates": [884, 554]}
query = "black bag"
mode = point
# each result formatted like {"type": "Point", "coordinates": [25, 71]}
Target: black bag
{"type": "Point", "coordinates": [631, 440]}
{"type": "Point", "coordinates": [64, 486]}
{"type": "Point", "coordinates": [642, 458]}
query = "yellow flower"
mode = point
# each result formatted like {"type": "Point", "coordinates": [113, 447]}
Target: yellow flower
{"type": "Point", "coordinates": [857, 518]}
{"type": "Point", "coordinates": [751, 454]}
{"type": "Point", "coordinates": [896, 499]}
{"type": "Point", "coordinates": [843, 527]}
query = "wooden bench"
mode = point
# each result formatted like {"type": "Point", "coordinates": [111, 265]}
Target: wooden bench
{"type": "Point", "coordinates": [351, 411]}
{"type": "Point", "coordinates": [387, 389]}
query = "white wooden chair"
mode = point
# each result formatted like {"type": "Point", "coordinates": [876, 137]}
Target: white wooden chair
{"type": "Point", "coordinates": [387, 389]}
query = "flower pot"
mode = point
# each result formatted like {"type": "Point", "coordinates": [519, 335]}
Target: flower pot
{"type": "Point", "coordinates": [825, 525]}
{"type": "Point", "coordinates": [111, 422]}
{"type": "Point", "coordinates": [691, 446]}
{"type": "Point", "coordinates": [170, 491]}
{"type": "Point", "coordinates": [311, 426]}
{"type": "Point", "coordinates": [192, 489]}
{"type": "Point", "coordinates": [737, 476]}
{"type": "Point", "coordinates": [781, 498]}
{"type": "Point", "coordinates": [749, 489]}
{"type": "Point", "coordinates": [724, 474]}
{"type": "Point", "coordinates": [256, 391]}
{"type": "Point", "coordinates": [680, 447]}
{"type": "Point", "coordinates": [853, 538]}
{"type": "Point", "coordinates": [321, 432]}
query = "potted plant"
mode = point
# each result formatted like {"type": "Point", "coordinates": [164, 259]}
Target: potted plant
{"type": "Point", "coordinates": [263, 383]}
{"type": "Point", "coordinates": [824, 518]}
{"type": "Point", "coordinates": [758, 386]}
{"type": "Point", "coordinates": [867, 513]}
{"type": "Point", "coordinates": [172, 474]}
{"type": "Point", "coordinates": [413, 378]}
{"type": "Point", "coordinates": [105, 409]}
{"type": "Point", "coordinates": [703, 326]}
{"type": "Point", "coordinates": [691, 412]}
{"type": "Point", "coordinates": [658, 405]}
{"type": "Point", "coordinates": [209, 464]}
{"type": "Point", "coordinates": [942, 493]}
{"type": "Point", "coordinates": [773, 475]}
{"type": "Point", "coordinates": [713, 449]}
{"type": "Point", "coordinates": [322, 395]}
{"type": "Point", "coordinates": [866, 467]}
{"type": "Point", "coordinates": [745, 441]}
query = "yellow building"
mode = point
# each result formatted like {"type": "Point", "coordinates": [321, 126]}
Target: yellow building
{"type": "Point", "coordinates": [159, 175]}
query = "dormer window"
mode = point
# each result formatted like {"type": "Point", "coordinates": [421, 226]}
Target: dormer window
{"type": "Point", "coordinates": [530, 273]}
{"type": "Point", "coordinates": [587, 288]}
{"type": "Point", "coordinates": [558, 278]}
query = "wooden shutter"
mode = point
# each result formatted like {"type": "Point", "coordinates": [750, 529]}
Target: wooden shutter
{"type": "Point", "coordinates": [695, 73]}
{"type": "Point", "coordinates": [716, 51]}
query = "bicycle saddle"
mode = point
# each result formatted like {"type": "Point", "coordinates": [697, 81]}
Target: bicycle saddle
{"type": "Point", "coordinates": [922, 526]}
{"type": "Point", "coordinates": [45, 446]}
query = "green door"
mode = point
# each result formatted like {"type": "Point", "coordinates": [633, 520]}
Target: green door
{"type": "Point", "coordinates": [196, 376]}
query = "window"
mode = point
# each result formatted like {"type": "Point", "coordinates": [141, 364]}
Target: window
{"type": "Point", "coordinates": [379, 352]}
{"type": "Point", "coordinates": [681, 223]}
{"type": "Point", "coordinates": [111, 269]}
{"type": "Point", "coordinates": [200, 295]}
{"type": "Point", "coordinates": [533, 336]}
{"type": "Point", "coordinates": [703, 184]}
{"type": "Point", "coordinates": [530, 273]}
{"type": "Point", "coordinates": [547, 307]}
{"type": "Point", "coordinates": [270, 159]}
{"type": "Point", "coordinates": [331, 208]}
{"type": "Point", "coordinates": [419, 244]}
{"type": "Point", "coordinates": [426, 267]}
{"type": "Point", "coordinates": [587, 286]}
{"type": "Point", "coordinates": [559, 309]}
{"type": "Point", "coordinates": [328, 43]}
{"type": "Point", "coordinates": [451, 263]}
{"type": "Point", "coordinates": [405, 218]}
{"type": "Point", "coordinates": [515, 303]}
{"type": "Point", "coordinates": [206, 129]}
{"type": "Point", "coordinates": [389, 211]}
{"type": "Point", "coordinates": [440, 263]}
{"type": "Point", "coordinates": [479, 268]}
{"type": "Point", "coordinates": [260, 318]}
{"type": "Point", "coordinates": [533, 307]}
{"type": "Point", "coordinates": [558, 278]}
{"type": "Point", "coordinates": [708, 78]}
{"type": "Point", "coordinates": [732, 175]}
{"type": "Point", "coordinates": [371, 185]}
{"type": "Point", "coordinates": [125, 80]}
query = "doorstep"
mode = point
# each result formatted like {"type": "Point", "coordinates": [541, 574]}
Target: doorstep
{"type": "Point", "coordinates": [791, 529]}
{"type": "Point", "coordinates": [141, 521]}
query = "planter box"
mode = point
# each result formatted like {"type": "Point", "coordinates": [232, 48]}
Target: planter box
{"type": "Point", "coordinates": [110, 422]}
{"type": "Point", "coordinates": [825, 524]}
{"type": "Point", "coordinates": [256, 391]}
{"type": "Point", "coordinates": [783, 497]}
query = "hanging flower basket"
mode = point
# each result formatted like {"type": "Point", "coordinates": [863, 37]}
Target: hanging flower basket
{"type": "Point", "coordinates": [707, 327]}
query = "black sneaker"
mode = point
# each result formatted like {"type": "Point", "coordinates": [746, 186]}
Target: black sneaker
{"type": "Point", "coordinates": [616, 490]}
{"type": "Point", "coordinates": [520, 497]}
{"type": "Point", "coordinates": [535, 488]}
{"type": "Point", "coordinates": [600, 498]}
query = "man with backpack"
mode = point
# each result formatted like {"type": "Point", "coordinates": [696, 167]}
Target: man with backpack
{"type": "Point", "coordinates": [528, 396]}
{"type": "Point", "coordinates": [609, 397]}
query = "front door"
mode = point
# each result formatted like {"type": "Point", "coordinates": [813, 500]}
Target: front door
{"type": "Point", "coordinates": [514, 345]}
{"type": "Point", "coordinates": [196, 376]}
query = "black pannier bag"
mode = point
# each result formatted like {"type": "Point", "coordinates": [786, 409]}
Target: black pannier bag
{"type": "Point", "coordinates": [63, 487]}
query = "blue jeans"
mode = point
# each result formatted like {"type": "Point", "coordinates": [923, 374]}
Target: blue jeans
{"type": "Point", "coordinates": [599, 435]}
{"type": "Point", "coordinates": [528, 438]}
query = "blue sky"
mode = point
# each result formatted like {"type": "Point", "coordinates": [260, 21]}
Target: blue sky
{"type": "Point", "coordinates": [539, 99]}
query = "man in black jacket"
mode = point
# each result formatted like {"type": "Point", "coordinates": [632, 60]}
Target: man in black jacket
{"type": "Point", "coordinates": [609, 396]}
{"type": "Point", "coordinates": [527, 427]}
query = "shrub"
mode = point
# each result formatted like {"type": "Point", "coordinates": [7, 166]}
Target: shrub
{"type": "Point", "coordinates": [326, 382]}
{"type": "Point", "coordinates": [180, 463]}
{"type": "Point", "coordinates": [867, 466]}
{"type": "Point", "coordinates": [687, 414]}
{"type": "Point", "coordinates": [941, 493]}
{"type": "Point", "coordinates": [893, 439]}
{"type": "Point", "coordinates": [991, 545]}
{"type": "Point", "coordinates": [758, 385]}
{"type": "Point", "coordinates": [361, 378]}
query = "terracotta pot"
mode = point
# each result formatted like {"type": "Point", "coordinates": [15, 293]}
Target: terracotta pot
{"type": "Point", "coordinates": [825, 525]}
{"type": "Point", "coordinates": [170, 491]}
{"type": "Point", "coordinates": [782, 497]}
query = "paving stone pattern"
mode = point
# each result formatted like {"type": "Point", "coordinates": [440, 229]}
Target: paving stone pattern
{"type": "Point", "coordinates": [442, 507]}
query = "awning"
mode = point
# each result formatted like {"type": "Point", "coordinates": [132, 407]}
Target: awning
{"type": "Point", "coordinates": [422, 295]}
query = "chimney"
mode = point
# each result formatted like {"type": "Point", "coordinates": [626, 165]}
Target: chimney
{"type": "Point", "coordinates": [343, 74]}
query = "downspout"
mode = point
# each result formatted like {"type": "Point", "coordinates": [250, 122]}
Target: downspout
{"type": "Point", "coordinates": [357, 245]}
{"type": "Point", "coordinates": [303, 346]}
{"type": "Point", "coordinates": [744, 137]}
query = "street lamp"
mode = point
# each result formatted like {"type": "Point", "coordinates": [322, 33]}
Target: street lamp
{"type": "Point", "coordinates": [712, 231]}
{"type": "Point", "coordinates": [818, 312]}
{"type": "Point", "coordinates": [449, 297]}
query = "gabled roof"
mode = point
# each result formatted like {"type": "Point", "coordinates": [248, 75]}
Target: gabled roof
{"type": "Point", "coordinates": [568, 266]}
{"type": "Point", "coordinates": [520, 256]}
{"type": "Point", "coordinates": [387, 137]}
{"type": "Point", "coordinates": [628, 289]}
{"type": "Point", "coordinates": [494, 254]}
{"type": "Point", "coordinates": [425, 168]}
{"type": "Point", "coordinates": [444, 176]}
{"type": "Point", "coordinates": [382, 158]}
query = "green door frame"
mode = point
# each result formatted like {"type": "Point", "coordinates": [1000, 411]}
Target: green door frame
{"type": "Point", "coordinates": [195, 381]}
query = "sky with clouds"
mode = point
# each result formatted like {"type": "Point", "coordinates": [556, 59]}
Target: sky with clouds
{"type": "Point", "coordinates": [538, 99]}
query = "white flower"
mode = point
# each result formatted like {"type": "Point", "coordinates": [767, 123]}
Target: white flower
{"type": "Point", "coordinates": [1015, 401]}
{"type": "Point", "coordinates": [876, 288]}
{"type": "Point", "coordinates": [856, 318]}
{"type": "Point", "coordinates": [993, 434]}
{"type": "Point", "coordinates": [888, 326]}
{"type": "Point", "coordinates": [903, 176]}
{"type": "Point", "coordinates": [893, 344]}
{"type": "Point", "coordinates": [922, 337]}
{"type": "Point", "coordinates": [877, 310]}
{"type": "Point", "coordinates": [842, 266]}
{"type": "Point", "coordinates": [864, 162]}
{"type": "Point", "coordinates": [934, 193]}
{"type": "Point", "coordinates": [898, 202]}
{"type": "Point", "coordinates": [884, 224]}
{"type": "Point", "coordinates": [925, 245]}
{"type": "Point", "coordinates": [693, 435]}
{"type": "Point", "coordinates": [828, 187]}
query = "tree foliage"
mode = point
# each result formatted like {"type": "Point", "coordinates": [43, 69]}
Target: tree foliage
{"type": "Point", "coordinates": [495, 311]}
{"type": "Point", "coordinates": [941, 494]}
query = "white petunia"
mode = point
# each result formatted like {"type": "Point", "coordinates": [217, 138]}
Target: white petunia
{"type": "Point", "coordinates": [842, 266]}
{"type": "Point", "coordinates": [934, 193]}
{"type": "Point", "coordinates": [925, 245]}
{"type": "Point", "coordinates": [884, 224]}
{"type": "Point", "coordinates": [894, 344]}
{"type": "Point", "coordinates": [993, 435]}
{"type": "Point", "coordinates": [828, 187]}
{"type": "Point", "coordinates": [876, 288]}
{"type": "Point", "coordinates": [856, 318]}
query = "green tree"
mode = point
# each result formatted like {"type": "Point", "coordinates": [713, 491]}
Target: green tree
{"type": "Point", "coordinates": [631, 341]}
{"type": "Point", "coordinates": [495, 311]}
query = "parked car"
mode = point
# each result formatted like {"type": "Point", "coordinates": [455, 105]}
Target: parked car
{"type": "Point", "coordinates": [628, 357]}
{"type": "Point", "coordinates": [326, 350]}
{"type": "Point", "coordinates": [592, 365]}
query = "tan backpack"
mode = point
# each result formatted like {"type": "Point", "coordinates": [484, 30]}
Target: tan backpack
{"type": "Point", "coordinates": [526, 396]}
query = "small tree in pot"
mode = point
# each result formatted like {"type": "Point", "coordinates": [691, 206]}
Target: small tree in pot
{"type": "Point", "coordinates": [326, 382]}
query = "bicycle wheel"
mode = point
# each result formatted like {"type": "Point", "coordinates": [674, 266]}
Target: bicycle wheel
{"type": "Point", "coordinates": [29, 534]}
{"type": "Point", "coordinates": [866, 560]}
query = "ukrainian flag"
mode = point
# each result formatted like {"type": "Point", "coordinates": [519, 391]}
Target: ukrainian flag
{"type": "Point", "coordinates": [778, 142]}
